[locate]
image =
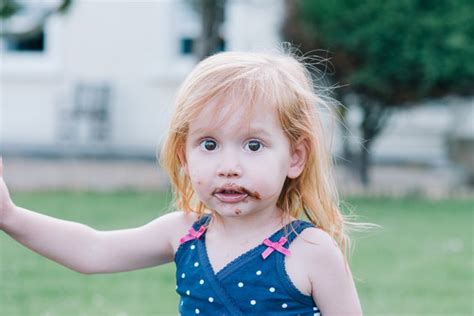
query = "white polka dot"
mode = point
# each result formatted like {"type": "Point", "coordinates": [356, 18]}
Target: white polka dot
{"type": "Point", "coordinates": [201, 282]}
{"type": "Point", "coordinates": [183, 275]}
{"type": "Point", "coordinates": [258, 272]}
{"type": "Point", "coordinates": [188, 292]}
{"type": "Point", "coordinates": [192, 247]}
{"type": "Point", "coordinates": [196, 264]}
{"type": "Point", "coordinates": [210, 299]}
{"type": "Point", "coordinates": [197, 311]}
{"type": "Point", "coordinates": [253, 302]}
{"type": "Point", "coordinates": [182, 302]}
{"type": "Point", "coordinates": [240, 284]}
{"type": "Point", "coordinates": [176, 287]}
{"type": "Point", "coordinates": [315, 308]}
{"type": "Point", "coordinates": [272, 289]}
{"type": "Point", "coordinates": [316, 314]}
{"type": "Point", "coordinates": [284, 305]}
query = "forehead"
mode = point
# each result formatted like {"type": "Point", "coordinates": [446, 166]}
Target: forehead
{"type": "Point", "coordinates": [235, 115]}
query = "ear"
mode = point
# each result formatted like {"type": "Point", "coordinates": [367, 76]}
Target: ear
{"type": "Point", "coordinates": [299, 155]}
{"type": "Point", "coordinates": [182, 161]}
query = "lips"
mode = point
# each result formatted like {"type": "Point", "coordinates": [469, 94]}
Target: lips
{"type": "Point", "coordinates": [231, 194]}
{"type": "Point", "coordinates": [231, 197]}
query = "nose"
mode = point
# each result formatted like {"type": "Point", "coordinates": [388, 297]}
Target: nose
{"type": "Point", "coordinates": [234, 172]}
{"type": "Point", "coordinates": [229, 166]}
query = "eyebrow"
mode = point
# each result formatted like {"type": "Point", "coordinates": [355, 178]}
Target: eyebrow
{"type": "Point", "coordinates": [259, 131]}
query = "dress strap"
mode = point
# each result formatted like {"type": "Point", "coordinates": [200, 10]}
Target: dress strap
{"type": "Point", "coordinates": [281, 240]}
{"type": "Point", "coordinates": [293, 229]}
{"type": "Point", "coordinates": [197, 230]}
{"type": "Point", "coordinates": [203, 221]}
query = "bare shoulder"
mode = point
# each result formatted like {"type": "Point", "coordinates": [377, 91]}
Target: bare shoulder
{"type": "Point", "coordinates": [311, 252]}
{"type": "Point", "coordinates": [179, 219]}
{"type": "Point", "coordinates": [319, 252]}
{"type": "Point", "coordinates": [327, 272]}
{"type": "Point", "coordinates": [315, 249]}
{"type": "Point", "coordinates": [316, 242]}
{"type": "Point", "coordinates": [174, 225]}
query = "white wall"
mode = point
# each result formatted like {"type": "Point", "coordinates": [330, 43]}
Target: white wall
{"type": "Point", "coordinates": [418, 132]}
{"type": "Point", "coordinates": [254, 24]}
{"type": "Point", "coordinates": [133, 45]}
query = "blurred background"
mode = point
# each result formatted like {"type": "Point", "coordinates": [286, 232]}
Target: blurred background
{"type": "Point", "coordinates": [86, 91]}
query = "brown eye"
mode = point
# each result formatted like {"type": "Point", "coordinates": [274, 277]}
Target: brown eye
{"type": "Point", "coordinates": [208, 144]}
{"type": "Point", "coordinates": [254, 145]}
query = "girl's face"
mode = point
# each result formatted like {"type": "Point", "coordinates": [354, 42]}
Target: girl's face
{"type": "Point", "coordinates": [238, 162]}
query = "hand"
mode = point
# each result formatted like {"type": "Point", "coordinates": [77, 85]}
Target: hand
{"type": "Point", "coordinates": [6, 203]}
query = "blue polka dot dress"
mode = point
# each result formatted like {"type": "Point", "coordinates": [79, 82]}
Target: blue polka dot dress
{"type": "Point", "coordinates": [255, 283]}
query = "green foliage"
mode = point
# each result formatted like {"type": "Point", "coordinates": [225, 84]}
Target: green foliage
{"type": "Point", "coordinates": [396, 50]}
{"type": "Point", "coordinates": [8, 8]}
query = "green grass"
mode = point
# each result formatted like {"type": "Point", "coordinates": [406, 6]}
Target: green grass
{"type": "Point", "coordinates": [420, 262]}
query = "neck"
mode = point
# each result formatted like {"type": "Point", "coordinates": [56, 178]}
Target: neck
{"type": "Point", "coordinates": [246, 227]}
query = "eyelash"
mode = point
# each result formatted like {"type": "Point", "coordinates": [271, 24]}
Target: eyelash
{"type": "Point", "coordinates": [202, 144]}
{"type": "Point", "coordinates": [259, 142]}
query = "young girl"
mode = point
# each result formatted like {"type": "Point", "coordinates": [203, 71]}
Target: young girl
{"type": "Point", "coordinates": [246, 157]}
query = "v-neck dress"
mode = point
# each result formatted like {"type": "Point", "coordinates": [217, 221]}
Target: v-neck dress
{"type": "Point", "coordinates": [249, 285]}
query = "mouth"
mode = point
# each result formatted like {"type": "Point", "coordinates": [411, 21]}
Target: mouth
{"type": "Point", "coordinates": [232, 194]}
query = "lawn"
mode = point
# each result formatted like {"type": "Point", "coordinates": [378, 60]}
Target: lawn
{"type": "Point", "coordinates": [420, 262]}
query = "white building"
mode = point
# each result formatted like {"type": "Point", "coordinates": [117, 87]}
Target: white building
{"type": "Point", "coordinates": [123, 61]}
{"type": "Point", "coordinates": [105, 79]}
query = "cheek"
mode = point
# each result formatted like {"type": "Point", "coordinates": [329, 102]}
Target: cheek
{"type": "Point", "coordinates": [268, 187]}
{"type": "Point", "coordinates": [268, 180]}
{"type": "Point", "coordinates": [200, 186]}
{"type": "Point", "coordinates": [199, 176]}
{"type": "Point", "coordinates": [197, 165]}
{"type": "Point", "coordinates": [198, 168]}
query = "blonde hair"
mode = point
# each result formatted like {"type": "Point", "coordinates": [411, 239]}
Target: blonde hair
{"type": "Point", "coordinates": [278, 79]}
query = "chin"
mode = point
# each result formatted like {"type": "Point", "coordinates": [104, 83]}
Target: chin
{"type": "Point", "coordinates": [231, 212]}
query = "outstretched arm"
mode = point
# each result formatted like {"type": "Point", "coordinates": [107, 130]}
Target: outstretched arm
{"type": "Point", "coordinates": [87, 250]}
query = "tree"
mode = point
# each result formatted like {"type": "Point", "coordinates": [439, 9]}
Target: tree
{"type": "Point", "coordinates": [10, 8]}
{"type": "Point", "coordinates": [390, 53]}
{"type": "Point", "coordinates": [211, 13]}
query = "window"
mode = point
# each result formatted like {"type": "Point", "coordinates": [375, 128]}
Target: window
{"type": "Point", "coordinates": [188, 45]}
{"type": "Point", "coordinates": [26, 30]}
{"type": "Point", "coordinates": [221, 45]}
{"type": "Point", "coordinates": [32, 43]}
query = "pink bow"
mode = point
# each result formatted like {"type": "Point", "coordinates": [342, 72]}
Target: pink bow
{"type": "Point", "coordinates": [192, 234]}
{"type": "Point", "coordinates": [278, 246]}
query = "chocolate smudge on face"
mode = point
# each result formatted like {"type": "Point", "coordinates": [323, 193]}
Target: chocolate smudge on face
{"type": "Point", "coordinates": [254, 194]}
{"type": "Point", "coordinates": [238, 212]}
